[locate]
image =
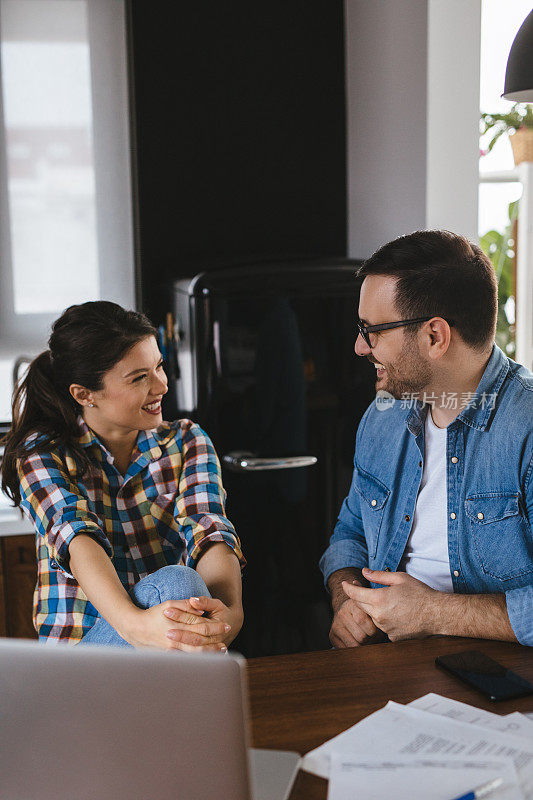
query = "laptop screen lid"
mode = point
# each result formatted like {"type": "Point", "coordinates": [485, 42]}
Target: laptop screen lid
{"type": "Point", "coordinates": [99, 723]}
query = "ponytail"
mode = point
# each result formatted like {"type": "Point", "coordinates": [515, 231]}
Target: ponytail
{"type": "Point", "coordinates": [86, 342]}
{"type": "Point", "coordinates": [40, 410]}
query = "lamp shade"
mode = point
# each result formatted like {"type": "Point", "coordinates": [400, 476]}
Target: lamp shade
{"type": "Point", "coordinates": [519, 71]}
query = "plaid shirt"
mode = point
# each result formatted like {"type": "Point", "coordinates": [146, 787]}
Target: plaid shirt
{"type": "Point", "coordinates": [166, 509]}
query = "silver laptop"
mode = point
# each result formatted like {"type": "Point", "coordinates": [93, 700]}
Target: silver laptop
{"type": "Point", "coordinates": [98, 723]}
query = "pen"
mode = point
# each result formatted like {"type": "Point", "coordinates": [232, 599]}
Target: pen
{"type": "Point", "coordinates": [481, 791]}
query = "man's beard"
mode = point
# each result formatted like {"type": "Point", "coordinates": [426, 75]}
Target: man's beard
{"type": "Point", "coordinates": [409, 375]}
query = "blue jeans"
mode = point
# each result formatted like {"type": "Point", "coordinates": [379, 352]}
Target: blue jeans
{"type": "Point", "coordinates": [168, 583]}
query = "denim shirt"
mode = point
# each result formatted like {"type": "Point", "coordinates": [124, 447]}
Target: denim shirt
{"type": "Point", "coordinates": [489, 469]}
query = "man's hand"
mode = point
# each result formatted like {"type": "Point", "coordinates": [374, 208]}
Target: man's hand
{"type": "Point", "coordinates": [351, 625]}
{"type": "Point", "coordinates": [408, 609]}
{"type": "Point", "coordinates": [403, 610]}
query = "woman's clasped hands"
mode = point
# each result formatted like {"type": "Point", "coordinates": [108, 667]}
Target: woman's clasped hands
{"type": "Point", "coordinates": [193, 625]}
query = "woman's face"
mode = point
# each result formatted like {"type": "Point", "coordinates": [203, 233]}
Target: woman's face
{"type": "Point", "coordinates": [131, 395]}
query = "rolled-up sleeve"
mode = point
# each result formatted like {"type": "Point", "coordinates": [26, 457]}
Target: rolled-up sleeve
{"type": "Point", "coordinates": [55, 506]}
{"type": "Point", "coordinates": [520, 601]}
{"type": "Point", "coordinates": [200, 504]}
{"type": "Point", "coordinates": [520, 613]}
{"type": "Point", "coordinates": [347, 546]}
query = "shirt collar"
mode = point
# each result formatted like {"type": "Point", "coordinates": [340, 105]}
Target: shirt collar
{"type": "Point", "coordinates": [477, 413]}
{"type": "Point", "coordinates": [149, 442]}
{"type": "Point", "coordinates": [87, 436]}
{"type": "Point", "coordinates": [417, 417]}
{"type": "Point", "coordinates": [148, 446]}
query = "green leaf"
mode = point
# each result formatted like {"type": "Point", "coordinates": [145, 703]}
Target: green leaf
{"type": "Point", "coordinates": [499, 247]}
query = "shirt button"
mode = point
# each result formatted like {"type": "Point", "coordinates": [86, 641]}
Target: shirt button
{"type": "Point", "coordinates": [480, 516]}
{"type": "Point", "coordinates": [419, 463]}
{"type": "Point", "coordinates": [454, 459]}
{"type": "Point", "coordinates": [387, 569]}
{"type": "Point", "coordinates": [456, 573]}
{"type": "Point", "coordinates": [453, 515]}
{"type": "Point", "coordinates": [374, 503]}
{"type": "Point", "coordinates": [407, 517]}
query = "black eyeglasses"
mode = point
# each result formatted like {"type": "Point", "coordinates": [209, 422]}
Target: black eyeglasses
{"type": "Point", "coordinates": [365, 330]}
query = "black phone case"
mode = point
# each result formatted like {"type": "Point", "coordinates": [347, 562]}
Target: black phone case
{"type": "Point", "coordinates": [484, 674]}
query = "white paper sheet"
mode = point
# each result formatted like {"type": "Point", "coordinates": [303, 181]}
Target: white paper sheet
{"type": "Point", "coordinates": [515, 723]}
{"type": "Point", "coordinates": [525, 722]}
{"type": "Point", "coordinates": [397, 730]}
{"type": "Point", "coordinates": [415, 778]}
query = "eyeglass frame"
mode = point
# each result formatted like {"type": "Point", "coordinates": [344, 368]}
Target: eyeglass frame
{"type": "Point", "coordinates": [364, 330]}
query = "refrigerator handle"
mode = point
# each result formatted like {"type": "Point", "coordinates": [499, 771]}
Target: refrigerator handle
{"type": "Point", "coordinates": [248, 462]}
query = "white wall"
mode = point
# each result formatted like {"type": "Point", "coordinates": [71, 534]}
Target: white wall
{"type": "Point", "coordinates": [412, 93]}
{"type": "Point", "coordinates": [386, 58]}
{"type": "Point", "coordinates": [114, 213]}
{"type": "Point", "coordinates": [452, 160]}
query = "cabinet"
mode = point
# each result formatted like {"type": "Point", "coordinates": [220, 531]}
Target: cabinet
{"type": "Point", "coordinates": [18, 574]}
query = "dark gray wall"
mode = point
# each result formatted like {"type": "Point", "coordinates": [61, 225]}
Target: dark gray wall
{"type": "Point", "coordinates": [240, 129]}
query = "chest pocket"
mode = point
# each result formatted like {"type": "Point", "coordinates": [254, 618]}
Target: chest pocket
{"type": "Point", "coordinates": [502, 535]}
{"type": "Point", "coordinates": [374, 496]}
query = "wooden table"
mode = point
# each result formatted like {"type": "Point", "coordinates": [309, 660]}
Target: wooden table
{"type": "Point", "coordinates": [299, 701]}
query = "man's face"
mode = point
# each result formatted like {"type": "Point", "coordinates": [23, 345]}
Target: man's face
{"type": "Point", "coordinates": [400, 367]}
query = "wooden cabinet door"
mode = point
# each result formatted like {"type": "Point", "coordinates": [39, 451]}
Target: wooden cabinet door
{"type": "Point", "coordinates": [19, 568]}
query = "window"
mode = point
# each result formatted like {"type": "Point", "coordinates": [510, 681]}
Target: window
{"type": "Point", "coordinates": [500, 188]}
{"type": "Point", "coordinates": [65, 186]}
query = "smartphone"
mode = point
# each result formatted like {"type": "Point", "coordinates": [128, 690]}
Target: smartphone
{"type": "Point", "coordinates": [486, 675]}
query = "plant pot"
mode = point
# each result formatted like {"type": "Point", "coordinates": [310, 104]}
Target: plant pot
{"type": "Point", "coordinates": [522, 144]}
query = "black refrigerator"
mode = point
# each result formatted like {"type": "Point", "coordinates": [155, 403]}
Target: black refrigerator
{"type": "Point", "coordinates": [266, 365]}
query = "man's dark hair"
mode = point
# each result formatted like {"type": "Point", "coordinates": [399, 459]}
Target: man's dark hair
{"type": "Point", "coordinates": [441, 274]}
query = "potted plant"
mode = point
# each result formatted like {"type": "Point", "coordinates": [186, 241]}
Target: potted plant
{"type": "Point", "coordinates": [518, 123]}
{"type": "Point", "coordinates": [500, 247]}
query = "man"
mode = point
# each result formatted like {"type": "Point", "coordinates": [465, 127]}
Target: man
{"type": "Point", "coordinates": [441, 503]}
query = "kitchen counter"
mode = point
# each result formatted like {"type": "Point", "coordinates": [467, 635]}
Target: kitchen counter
{"type": "Point", "coordinates": [11, 521]}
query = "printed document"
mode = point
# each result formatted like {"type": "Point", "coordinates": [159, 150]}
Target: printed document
{"type": "Point", "coordinates": [396, 731]}
{"type": "Point", "coordinates": [515, 723]}
{"type": "Point", "coordinates": [416, 778]}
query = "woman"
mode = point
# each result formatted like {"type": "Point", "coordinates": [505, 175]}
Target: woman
{"type": "Point", "coordinates": [133, 546]}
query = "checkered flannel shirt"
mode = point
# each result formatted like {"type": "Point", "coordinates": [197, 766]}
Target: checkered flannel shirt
{"type": "Point", "coordinates": [166, 509]}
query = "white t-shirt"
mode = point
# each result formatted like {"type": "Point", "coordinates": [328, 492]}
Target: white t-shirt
{"type": "Point", "coordinates": [426, 554]}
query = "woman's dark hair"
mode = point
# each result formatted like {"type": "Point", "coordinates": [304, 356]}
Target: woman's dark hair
{"type": "Point", "coordinates": [86, 342]}
{"type": "Point", "coordinates": [441, 274]}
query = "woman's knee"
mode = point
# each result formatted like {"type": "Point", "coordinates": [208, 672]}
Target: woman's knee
{"type": "Point", "coordinates": [174, 582]}
{"type": "Point", "coordinates": [184, 580]}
